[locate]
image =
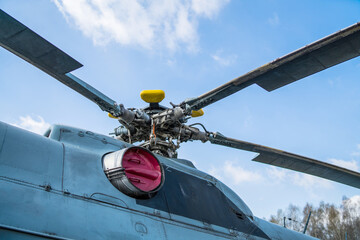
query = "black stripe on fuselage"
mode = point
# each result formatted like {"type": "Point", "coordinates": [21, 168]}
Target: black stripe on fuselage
{"type": "Point", "coordinates": [198, 199]}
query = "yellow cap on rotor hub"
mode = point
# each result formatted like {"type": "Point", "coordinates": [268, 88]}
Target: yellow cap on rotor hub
{"type": "Point", "coordinates": [197, 113]}
{"type": "Point", "coordinates": [152, 96]}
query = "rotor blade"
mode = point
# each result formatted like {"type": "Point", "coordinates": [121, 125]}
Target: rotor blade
{"type": "Point", "coordinates": [322, 54]}
{"type": "Point", "coordinates": [23, 42]}
{"type": "Point", "coordinates": [292, 161]}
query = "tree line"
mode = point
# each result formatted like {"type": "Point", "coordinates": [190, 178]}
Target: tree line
{"type": "Point", "coordinates": [327, 221]}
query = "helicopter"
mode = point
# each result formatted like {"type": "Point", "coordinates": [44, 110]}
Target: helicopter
{"type": "Point", "coordinates": [62, 178]}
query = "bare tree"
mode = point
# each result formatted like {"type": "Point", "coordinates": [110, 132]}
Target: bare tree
{"type": "Point", "coordinates": [327, 220]}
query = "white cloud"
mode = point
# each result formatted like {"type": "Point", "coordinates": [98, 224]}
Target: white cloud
{"type": "Point", "coordinates": [37, 125]}
{"type": "Point", "coordinates": [355, 202]}
{"type": "Point", "coordinates": [353, 205]}
{"type": "Point", "coordinates": [206, 7]}
{"type": "Point", "coordinates": [224, 60]}
{"type": "Point", "coordinates": [235, 173]}
{"type": "Point", "coordinates": [239, 174]}
{"type": "Point", "coordinates": [274, 20]}
{"type": "Point", "coordinates": [171, 62]}
{"type": "Point", "coordinates": [215, 172]}
{"type": "Point", "coordinates": [145, 23]}
{"type": "Point", "coordinates": [310, 182]}
{"type": "Point", "coordinates": [356, 153]}
{"type": "Point", "coordinates": [352, 165]}
{"type": "Point", "coordinates": [305, 181]}
{"type": "Point", "coordinates": [277, 173]}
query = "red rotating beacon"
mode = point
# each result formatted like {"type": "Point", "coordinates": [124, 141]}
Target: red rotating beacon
{"type": "Point", "coordinates": [135, 171]}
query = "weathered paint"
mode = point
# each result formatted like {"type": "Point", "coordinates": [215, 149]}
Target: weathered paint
{"type": "Point", "coordinates": [55, 188]}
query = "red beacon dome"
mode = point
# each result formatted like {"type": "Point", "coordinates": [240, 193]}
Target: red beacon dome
{"type": "Point", "coordinates": [135, 171]}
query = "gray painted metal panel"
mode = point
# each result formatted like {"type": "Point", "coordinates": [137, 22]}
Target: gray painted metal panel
{"type": "Point", "coordinates": [186, 232]}
{"type": "Point", "coordinates": [3, 130]}
{"type": "Point", "coordinates": [70, 216]}
{"type": "Point", "coordinates": [83, 176]}
{"type": "Point", "coordinates": [9, 232]}
{"type": "Point", "coordinates": [87, 206]}
{"type": "Point", "coordinates": [324, 53]}
{"type": "Point", "coordinates": [277, 232]}
{"type": "Point", "coordinates": [30, 157]}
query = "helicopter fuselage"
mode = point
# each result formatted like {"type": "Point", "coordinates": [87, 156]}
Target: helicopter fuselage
{"type": "Point", "coordinates": [54, 187]}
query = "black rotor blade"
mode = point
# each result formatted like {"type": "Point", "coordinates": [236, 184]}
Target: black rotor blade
{"type": "Point", "coordinates": [292, 161]}
{"type": "Point", "coordinates": [23, 42]}
{"type": "Point", "coordinates": [320, 55]}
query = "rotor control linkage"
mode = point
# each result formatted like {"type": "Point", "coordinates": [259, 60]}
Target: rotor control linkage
{"type": "Point", "coordinates": [129, 116]}
{"type": "Point", "coordinates": [169, 115]}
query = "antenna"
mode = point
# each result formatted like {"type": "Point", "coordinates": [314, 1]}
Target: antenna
{"type": "Point", "coordinates": [307, 222]}
{"type": "Point", "coordinates": [284, 222]}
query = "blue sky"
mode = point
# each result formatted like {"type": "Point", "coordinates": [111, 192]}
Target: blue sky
{"type": "Point", "coordinates": [187, 48]}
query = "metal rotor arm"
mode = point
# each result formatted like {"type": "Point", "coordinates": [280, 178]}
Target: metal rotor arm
{"type": "Point", "coordinates": [287, 160]}
{"type": "Point", "coordinates": [315, 57]}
